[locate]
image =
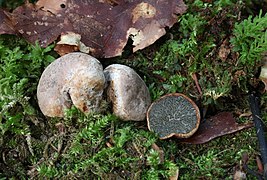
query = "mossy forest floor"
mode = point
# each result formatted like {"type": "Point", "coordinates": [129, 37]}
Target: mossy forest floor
{"type": "Point", "coordinates": [219, 42]}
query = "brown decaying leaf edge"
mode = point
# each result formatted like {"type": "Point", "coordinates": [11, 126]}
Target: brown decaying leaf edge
{"type": "Point", "coordinates": [6, 26]}
{"type": "Point", "coordinates": [104, 25]}
{"type": "Point", "coordinates": [221, 124]}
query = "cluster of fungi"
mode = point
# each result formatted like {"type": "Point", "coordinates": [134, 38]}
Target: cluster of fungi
{"type": "Point", "coordinates": [79, 79]}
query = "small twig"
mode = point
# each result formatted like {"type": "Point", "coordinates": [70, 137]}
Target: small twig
{"type": "Point", "coordinates": [259, 126]}
{"type": "Point", "coordinates": [259, 164]}
{"type": "Point", "coordinates": [45, 151]}
{"type": "Point", "coordinates": [137, 149]}
{"type": "Point", "coordinates": [245, 159]}
{"type": "Point", "coordinates": [66, 148]}
{"type": "Point", "coordinates": [53, 147]}
{"type": "Point", "coordinates": [29, 143]}
{"type": "Point", "coordinates": [194, 76]}
{"type": "Point", "coordinates": [109, 144]}
{"type": "Point", "coordinates": [32, 172]}
{"type": "Point", "coordinates": [253, 173]}
{"type": "Point", "coordinates": [61, 129]}
{"type": "Point", "coordinates": [159, 150]}
{"type": "Point", "coordinates": [60, 144]}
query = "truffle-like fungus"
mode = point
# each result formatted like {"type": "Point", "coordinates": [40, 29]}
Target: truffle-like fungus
{"type": "Point", "coordinates": [173, 115]}
{"type": "Point", "coordinates": [75, 78]}
{"type": "Point", "coordinates": [127, 92]}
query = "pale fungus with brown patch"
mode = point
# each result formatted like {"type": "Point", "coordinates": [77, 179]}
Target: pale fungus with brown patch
{"type": "Point", "coordinates": [73, 79]}
{"type": "Point", "coordinates": [127, 92]}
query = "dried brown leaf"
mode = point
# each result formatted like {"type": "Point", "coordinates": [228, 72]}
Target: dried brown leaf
{"type": "Point", "coordinates": [70, 42]}
{"type": "Point", "coordinates": [6, 26]}
{"type": "Point", "coordinates": [104, 25]}
{"type": "Point", "coordinates": [216, 126]}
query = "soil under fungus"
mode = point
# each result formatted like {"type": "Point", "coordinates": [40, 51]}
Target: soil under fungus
{"type": "Point", "coordinates": [173, 114]}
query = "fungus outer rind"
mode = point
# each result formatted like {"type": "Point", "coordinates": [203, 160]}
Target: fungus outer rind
{"type": "Point", "coordinates": [128, 92]}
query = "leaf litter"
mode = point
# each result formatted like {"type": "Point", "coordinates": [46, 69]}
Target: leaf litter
{"type": "Point", "coordinates": [104, 26]}
{"type": "Point", "coordinates": [221, 124]}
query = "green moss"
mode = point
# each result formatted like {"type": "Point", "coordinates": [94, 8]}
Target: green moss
{"type": "Point", "coordinates": [250, 39]}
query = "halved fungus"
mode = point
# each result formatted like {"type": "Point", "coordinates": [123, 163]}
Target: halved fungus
{"type": "Point", "coordinates": [127, 92]}
{"type": "Point", "coordinates": [173, 115]}
{"type": "Point", "coordinates": [73, 79]}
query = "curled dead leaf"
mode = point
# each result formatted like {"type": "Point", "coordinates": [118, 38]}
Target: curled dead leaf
{"type": "Point", "coordinates": [70, 42]}
{"type": "Point", "coordinates": [216, 126]}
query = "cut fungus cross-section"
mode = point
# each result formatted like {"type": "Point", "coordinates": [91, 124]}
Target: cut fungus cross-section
{"type": "Point", "coordinates": [173, 115]}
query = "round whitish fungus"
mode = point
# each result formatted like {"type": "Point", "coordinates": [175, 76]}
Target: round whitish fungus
{"type": "Point", "coordinates": [127, 92]}
{"type": "Point", "coordinates": [173, 115]}
{"type": "Point", "coordinates": [74, 79]}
